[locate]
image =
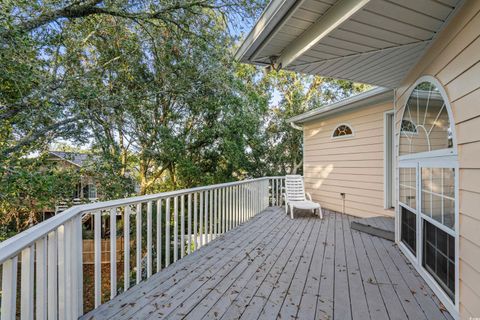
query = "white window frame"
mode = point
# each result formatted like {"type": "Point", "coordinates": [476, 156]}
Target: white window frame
{"type": "Point", "coordinates": [389, 173]}
{"type": "Point", "coordinates": [444, 158]}
{"type": "Point", "coordinates": [344, 136]}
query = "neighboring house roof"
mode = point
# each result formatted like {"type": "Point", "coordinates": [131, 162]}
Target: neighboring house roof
{"type": "Point", "coordinates": [363, 99]}
{"type": "Point", "coordinates": [75, 158]}
{"type": "Point", "coordinates": [368, 41]}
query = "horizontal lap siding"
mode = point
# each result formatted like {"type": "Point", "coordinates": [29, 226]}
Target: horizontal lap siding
{"type": "Point", "coordinates": [352, 165]}
{"type": "Point", "coordinates": [454, 59]}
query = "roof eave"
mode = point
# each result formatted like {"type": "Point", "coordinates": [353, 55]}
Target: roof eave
{"type": "Point", "coordinates": [271, 16]}
{"type": "Point", "coordinates": [370, 97]}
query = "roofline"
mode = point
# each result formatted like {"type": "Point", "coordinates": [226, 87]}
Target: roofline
{"type": "Point", "coordinates": [366, 98]}
{"type": "Point", "coordinates": [265, 25]}
{"type": "Point", "coordinates": [54, 153]}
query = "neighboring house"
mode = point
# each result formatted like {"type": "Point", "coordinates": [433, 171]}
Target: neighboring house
{"type": "Point", "coordinates": [409, 148]}
{"type": "Point", "coordinates": [86, 189]}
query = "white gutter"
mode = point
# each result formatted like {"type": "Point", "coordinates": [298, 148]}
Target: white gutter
{"type": "Point", "coordinates": [370, 97]}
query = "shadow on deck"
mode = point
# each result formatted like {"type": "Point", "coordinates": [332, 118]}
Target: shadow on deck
{"type": "Point", "coordinates": [274, 267]}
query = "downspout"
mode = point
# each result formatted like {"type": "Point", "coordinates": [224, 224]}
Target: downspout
{"type": "Point", "coordinates": [294, 126]}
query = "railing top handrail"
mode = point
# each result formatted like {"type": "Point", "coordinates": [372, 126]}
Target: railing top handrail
{"type": "Point", "coordinates": [12, 246]}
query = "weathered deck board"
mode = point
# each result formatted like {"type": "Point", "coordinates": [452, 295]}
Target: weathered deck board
{"type": "Point", "coordinates": [274, 267]}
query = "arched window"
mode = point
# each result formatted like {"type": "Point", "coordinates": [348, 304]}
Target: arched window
{"type": "Point", "coordinates": [342, 130]}
{"type": "Point", "coordinates": [426, 123]}
{"type": "Point", "coordinates": [428, 188]}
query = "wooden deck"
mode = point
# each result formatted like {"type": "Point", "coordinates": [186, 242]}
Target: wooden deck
{"type": "Point", "coordinates": [277, 268]}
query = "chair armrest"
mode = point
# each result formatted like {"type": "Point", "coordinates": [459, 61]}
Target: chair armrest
{"type": "Point", "coordinates": [309, 196]}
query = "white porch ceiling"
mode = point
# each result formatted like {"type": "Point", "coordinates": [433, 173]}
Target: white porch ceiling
{"type": "Point", "coordinates": [368, 41]}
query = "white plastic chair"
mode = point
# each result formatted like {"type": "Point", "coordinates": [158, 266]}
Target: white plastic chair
{"type": "Point", "coordinates": [295, 196]}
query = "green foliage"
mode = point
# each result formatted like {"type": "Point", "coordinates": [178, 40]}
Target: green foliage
{"type": "Point", "coordinates": [28, 187]}
{"type": "Point", "coordinates": [297, 94]}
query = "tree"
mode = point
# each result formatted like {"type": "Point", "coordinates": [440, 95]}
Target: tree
{"type": "Point", "coordinates": [297, 94]}
{"type": "Point", "coordinates": [38, 101]}
{"type": "Point", "coordinates": [29, 187]}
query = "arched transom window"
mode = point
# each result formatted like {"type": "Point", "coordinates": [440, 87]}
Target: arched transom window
{"type": "Point", "coordinates": [343, 130]}
{"type": "Point", "coordinates": [425, 125]}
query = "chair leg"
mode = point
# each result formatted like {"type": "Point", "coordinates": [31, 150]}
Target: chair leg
{"type": "Point", "coordinates": [320, 213]}
{"type": "Point", "coordinates": [291, 211]}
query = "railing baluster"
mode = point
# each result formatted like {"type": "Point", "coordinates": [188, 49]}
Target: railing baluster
{"type": "Point", "coordinates": [201, 219]}
{"type": "Point", "coordinates": [224, 215]}
{"type": "Point", "coordinates": [182, 226]}
{"type": "Point", "coordinates": [240, 204]}
{"type": "Point", "coordinates": [149, 238]}
{"type": "Point", "coordinates": [215, 214]}
{"type": "Point", "coordinates": [126, 248]}
{"type": "Point", "coordinates": [167, 232]}
{"type": "Point", "coordinates": [195, 224]}
{"type": "Point", "coordinates": [97, 242]}
{"type": "Point", "coordinates": [189, 224]}
{"type": "Point", "coordinates": [61, 272]}
{"type": "Point", "coordinates": [9, 288]}
{"type": "Point", "coordinates": [78, 266]}
{"type": "Point", "coordinates": [26, 284]}
{"type": "Point", "coordinates": [159, 235]}
{"type": "Point", "coordinates": [234, 205]}
{"type": "Point", "coordinates": [210, 233]}
{"type": "Point", "coordinates": [52, 276]}
{"type": "Point", "coordinates": [206, 218]}
{"type": "Point", "coordinates": [229, 208]}
{"type": "Point", "coordinates": [113, 253]}
{"type": "Point", "coordinates": [175, 229]}
{"type": "Point", "coordinates": [69, 292]}
{"type": "Point", "coordinates": [41, 278]}
{"type": "Point", "coordinates": [138, 249]}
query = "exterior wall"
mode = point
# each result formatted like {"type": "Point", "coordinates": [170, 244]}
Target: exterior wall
{"type": "Point", "coordinates": [454, 60]}
{"type": "Point", "coordinates": [351, 165]}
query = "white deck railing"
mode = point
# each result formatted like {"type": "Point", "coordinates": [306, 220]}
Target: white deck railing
{"type": "Point", "coordinates": [49, 255]}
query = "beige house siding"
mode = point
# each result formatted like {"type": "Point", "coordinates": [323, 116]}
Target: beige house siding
{"type": "Point", "coordinates": [351, 165]}
{"type": "Point", "coordinates": [454, 60]}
